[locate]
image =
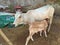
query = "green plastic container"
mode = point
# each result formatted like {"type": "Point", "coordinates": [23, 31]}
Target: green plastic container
{"type": "Point", "coordinates": [5, 20]}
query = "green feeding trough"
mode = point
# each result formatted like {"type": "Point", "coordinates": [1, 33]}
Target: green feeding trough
{"type": "Point", "coordinates": [6, 19]}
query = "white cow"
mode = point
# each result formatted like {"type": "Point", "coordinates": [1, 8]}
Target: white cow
{"type": "Point", "coordinates": [45, 12]}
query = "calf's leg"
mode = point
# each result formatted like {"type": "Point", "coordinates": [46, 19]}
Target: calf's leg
{"type": "Point", "coordinates": [40, 33]}
{"type": "Point", "coordinates": [28, 38]}
{"type": "Point", "coordinates": [45, 33]}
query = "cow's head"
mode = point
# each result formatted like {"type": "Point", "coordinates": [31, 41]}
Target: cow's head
{"type": "Point", "coordinates": [18, 19]}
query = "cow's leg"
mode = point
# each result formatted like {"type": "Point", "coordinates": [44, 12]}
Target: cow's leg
{"type": "Point", "coordinates": [50, 22]}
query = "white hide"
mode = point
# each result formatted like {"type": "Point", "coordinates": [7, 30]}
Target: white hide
{"type": "Point", "coordinates": [36, 14]}
{"type": "Point", "coordinates": [18, 13]}
{"type": "Point", "coordinates": [41, 13]}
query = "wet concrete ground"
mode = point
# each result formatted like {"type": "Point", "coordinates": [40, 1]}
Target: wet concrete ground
{"type": "Point", "coordinates": [18, 35]}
